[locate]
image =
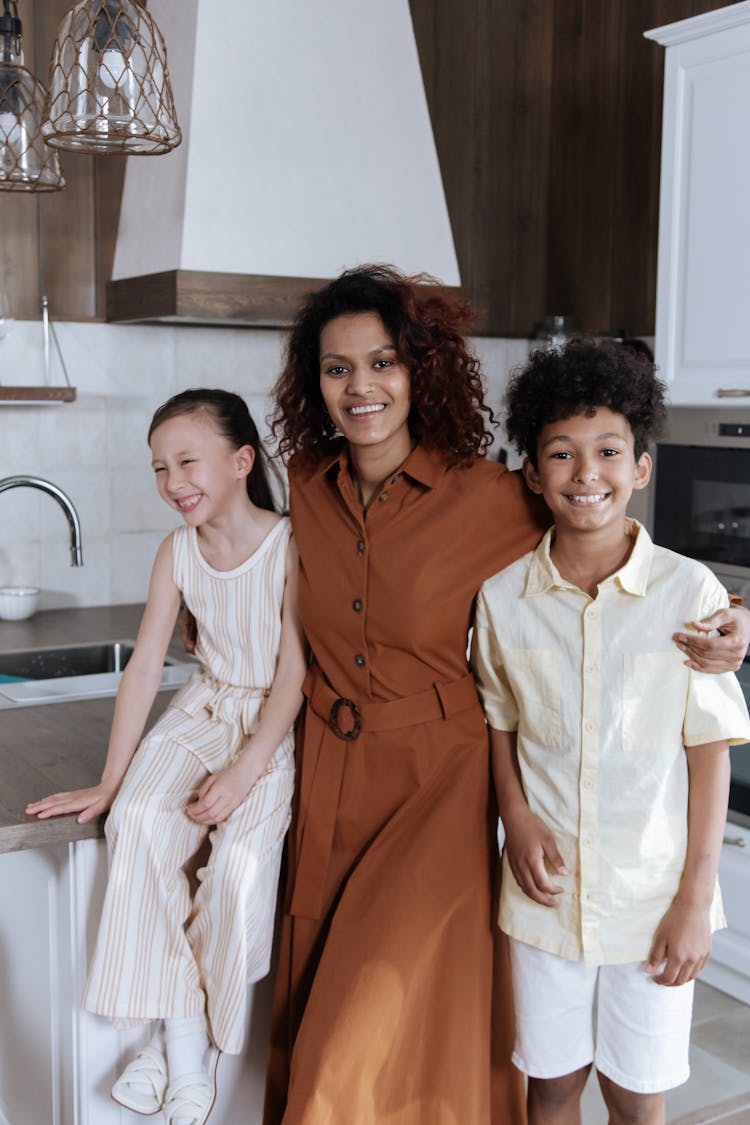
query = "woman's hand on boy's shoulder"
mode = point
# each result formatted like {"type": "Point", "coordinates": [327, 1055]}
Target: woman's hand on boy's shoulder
{"type": "Point", "coordinates": [722, 653]}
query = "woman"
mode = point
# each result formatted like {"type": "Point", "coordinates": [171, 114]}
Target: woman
{"type": "Point", "coordinates": [384, 1010]}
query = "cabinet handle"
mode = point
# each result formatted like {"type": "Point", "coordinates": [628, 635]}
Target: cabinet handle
{"type": "Point", "coordinates": [732, 392]}
{"type": "Point", "coordinates": [735, 841]}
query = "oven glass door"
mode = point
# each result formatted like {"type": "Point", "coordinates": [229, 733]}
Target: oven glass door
{"type": "Point", "coordinates": [702, 503]}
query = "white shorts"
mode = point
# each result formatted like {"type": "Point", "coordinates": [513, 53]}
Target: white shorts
{"type": "Point", "coordinates": [642, 1029]}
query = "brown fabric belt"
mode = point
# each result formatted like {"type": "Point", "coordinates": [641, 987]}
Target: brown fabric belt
{"type": "Point", "coordinates": [345, 721]}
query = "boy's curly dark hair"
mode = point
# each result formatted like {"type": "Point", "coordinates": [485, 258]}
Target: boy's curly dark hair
{"type": "Point", "coordinates": [578, 378]}
{"type": "Point", "coordinates": [448, 412]}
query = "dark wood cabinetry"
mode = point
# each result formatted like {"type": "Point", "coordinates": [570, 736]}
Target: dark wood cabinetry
{"type": "Point", "coordinates": [547, 121]}
{"type": "Point", "coordinates": [547, 118]}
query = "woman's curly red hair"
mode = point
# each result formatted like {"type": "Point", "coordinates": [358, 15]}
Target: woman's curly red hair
{"type": "Point", "coordinates": [448, 412]}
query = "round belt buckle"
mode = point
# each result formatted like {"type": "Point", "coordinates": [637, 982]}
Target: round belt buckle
{"type": "Point", "coordinates": [346, 735]}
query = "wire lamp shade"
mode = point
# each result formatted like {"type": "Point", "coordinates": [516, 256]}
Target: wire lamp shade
{"type": "Point", "coordinates": [26, 161]}
{"type": "Point", "coordinates": [109, 84]}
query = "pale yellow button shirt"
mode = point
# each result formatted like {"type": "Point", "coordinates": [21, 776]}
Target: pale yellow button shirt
{"type": "Point", "coordinates": [604, 706]}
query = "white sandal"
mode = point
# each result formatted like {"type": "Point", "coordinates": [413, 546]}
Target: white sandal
{"type": "Point", "coordinates": [193, 1095]}
{"type": "Point", "coordinates": [149, 1067]}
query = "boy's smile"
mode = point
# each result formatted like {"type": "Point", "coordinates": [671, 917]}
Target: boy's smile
{"type": "Point", "coordinates": [587, 470]}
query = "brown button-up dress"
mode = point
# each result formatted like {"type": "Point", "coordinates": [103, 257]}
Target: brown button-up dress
{"type": "Point", "coordinates": [384, 1011]}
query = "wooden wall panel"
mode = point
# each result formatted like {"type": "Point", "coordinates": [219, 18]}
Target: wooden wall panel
{"type": "Point", "coordinates": [553, 108]}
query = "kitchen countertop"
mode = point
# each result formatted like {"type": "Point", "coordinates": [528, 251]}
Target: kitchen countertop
{"type": "Point", "coordinates": [56, 746]}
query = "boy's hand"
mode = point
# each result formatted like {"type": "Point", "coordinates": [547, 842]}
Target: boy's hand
{"type": "Point", "coordinates": [683, 940]}
{"type": "Point", "coordinates": [224, 791]}
{"type": "Point", "coordinates": [528, 842]}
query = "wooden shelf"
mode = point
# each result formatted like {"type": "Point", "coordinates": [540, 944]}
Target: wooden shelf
{"type": "Point", "coordinates": [21, 396]}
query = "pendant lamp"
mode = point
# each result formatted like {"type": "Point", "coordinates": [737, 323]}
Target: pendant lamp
{"type": "Point", "coordinates": [109, 84]}
{"type": "Point", "coordinates": [26, 162]}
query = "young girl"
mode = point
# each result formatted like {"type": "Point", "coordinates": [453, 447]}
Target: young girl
{"type": "Point", "coordinates": [219, 763]}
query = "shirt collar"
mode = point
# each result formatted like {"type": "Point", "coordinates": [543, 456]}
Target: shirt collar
{"type": "Point", "coordinates": [543, 575]}
{"type": "Point", "coordinates": [425, 466]}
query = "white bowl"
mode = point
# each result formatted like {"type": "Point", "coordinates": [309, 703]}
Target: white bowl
{"type": "Point", "coordinates": [17, 602]}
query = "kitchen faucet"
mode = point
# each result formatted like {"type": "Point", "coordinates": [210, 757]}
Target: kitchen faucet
{"type": "Point", "coordinates": [76, 555]}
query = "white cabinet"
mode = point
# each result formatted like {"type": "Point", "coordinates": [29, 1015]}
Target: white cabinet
{"type": "Point", "coordinates": [57, 1062]}
{"type": "Point", "coordinates": [729, 967]}
{"type": "Point", "coordinates": [703, 284]}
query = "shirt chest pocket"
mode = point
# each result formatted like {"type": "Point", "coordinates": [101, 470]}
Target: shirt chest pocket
{"type": "Point", "coordinates": [654, 694]}
{"type": "Point", "coordinates": [535, 679]}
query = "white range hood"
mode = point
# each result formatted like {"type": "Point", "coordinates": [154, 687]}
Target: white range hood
{"type": "Point", "coordinates": [307, 148]}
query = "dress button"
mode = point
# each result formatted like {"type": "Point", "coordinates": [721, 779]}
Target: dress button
{"type": "Point", "coordinates": [383, 496]}
{"type": "Point", "coordinates": [396, 478]}
{"type": "Point", "coordinates": [359, 660]}
{"type": "Point", "coordinates": [360, 546]}
{"type": "Point", "coordinates": [357, 605]}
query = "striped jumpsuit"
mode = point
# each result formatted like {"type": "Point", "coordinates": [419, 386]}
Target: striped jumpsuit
{"type": "Point", "coordinates": [177, 939]}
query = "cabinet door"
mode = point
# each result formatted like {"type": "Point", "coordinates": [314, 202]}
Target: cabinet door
{"type": "Point", "coordinates": [729, 967]}
{"type": "Point", "coordinates": [703, 289]}
{"type": "Point", "coordinates": [36, 1065]}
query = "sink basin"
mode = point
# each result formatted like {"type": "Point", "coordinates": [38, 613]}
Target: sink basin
{"type": "Point", "coordinates": [67, 672]}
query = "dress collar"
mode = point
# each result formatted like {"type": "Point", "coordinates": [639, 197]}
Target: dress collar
{"type": "Point", "coordinates": [425, 466]}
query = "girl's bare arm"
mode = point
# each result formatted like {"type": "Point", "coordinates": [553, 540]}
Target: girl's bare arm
{"type": "Point", "coordinates": [138, 687]}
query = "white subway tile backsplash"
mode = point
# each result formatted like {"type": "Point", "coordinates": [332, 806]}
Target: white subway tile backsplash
{"type": "Point", "coordinates": [65, 585]}
{"type": "Point", "coordinates": [20, 513]}
{"type": "Point", "coordinates": [75, 434]}
{"type": "Point", "coordinates": [131, 562]}
{"type": "Point", "coordinates": [21, 564]}
{"type": "Point", "coordinates": [135, 505]}
{"type": "Point", "coordinates": [19, 438]}
{"type": "Point", "coordinates": [88, 491]}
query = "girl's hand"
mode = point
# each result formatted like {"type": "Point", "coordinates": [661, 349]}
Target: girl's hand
{"type": "Point", "coordinates": [90, 803]}
{"type": "Point", "coordinates": [528, 843]}
{"type": "Point", "coordinates": [683, 940]}
{"type": "Point", "coordinates": [222, 792]}
{"type": "Point", "coordinates": [724, 653]}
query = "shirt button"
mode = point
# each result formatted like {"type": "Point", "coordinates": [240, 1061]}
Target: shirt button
{"type": "Point", "coordinates": [383, 496]}
{"type": "Point", "coordinates": [357, 605]}
{"type": "Point", "coordinates": [359, 660]}
{"type": "Point", "coordinates": [396, 478]}
{"type": "Point", "coordinates": [588, 783]}
{"type": "Point", "coordinates": [588, 726]}
{"type": "Point", "coordinates": [360, 546]}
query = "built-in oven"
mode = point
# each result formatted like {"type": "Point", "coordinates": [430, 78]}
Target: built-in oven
{"type": "Point", "coordinates": [700, 506]}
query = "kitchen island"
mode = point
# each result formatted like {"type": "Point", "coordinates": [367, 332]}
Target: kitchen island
{"type": "Point", "coordinates": [57, 1062]}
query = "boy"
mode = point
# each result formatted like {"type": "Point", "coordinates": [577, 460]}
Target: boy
{"type": "Point", "coordinates": [610, 756]}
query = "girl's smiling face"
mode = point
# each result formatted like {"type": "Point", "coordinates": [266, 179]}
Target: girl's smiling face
{"type": "Point", "coordinates": [587, 470]}
{"type": "Point", "coordinates": [365, 386]}
{"type": "Point", "coordinates": [197, 470]}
